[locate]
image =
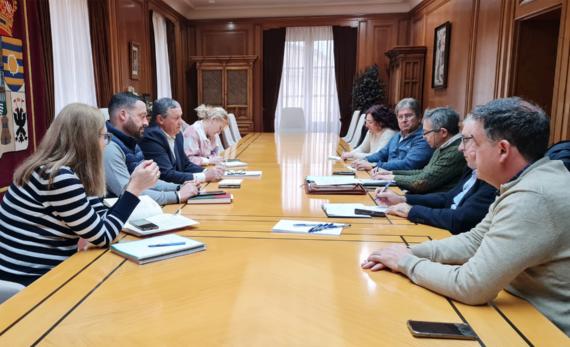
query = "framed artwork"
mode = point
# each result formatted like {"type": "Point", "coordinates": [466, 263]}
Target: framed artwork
{"type": "Point", "coordinates": [441, 40]}
{"type": "Point", "coordinates": [134, 60]}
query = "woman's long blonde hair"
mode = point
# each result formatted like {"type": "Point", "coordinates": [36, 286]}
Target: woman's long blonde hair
{"type": "Point", "coordinates": [71, 140]}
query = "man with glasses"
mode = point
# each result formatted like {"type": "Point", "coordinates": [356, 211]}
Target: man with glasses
{"type": "Point", "coordinates": [441, 132]}
{"type": "Point", "coordinates": [457, 210]}
{"type": "Point", "coordinates": [523, 243]}
{"type": "Point", "coordinates": [127, 121]}
{"type": "Point", "coordinates": [407, 150]}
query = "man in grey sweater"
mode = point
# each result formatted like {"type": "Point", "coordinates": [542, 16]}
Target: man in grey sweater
{"type": "Point", "coordinates": [127, 121]}
{"type": "Point", "coordinates": [523, 243]}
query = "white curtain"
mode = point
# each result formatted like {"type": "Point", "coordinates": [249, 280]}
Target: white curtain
{"type": "Point", "coordinates": [73, 76]}
{"type": "Point", "coordinates": [308, 79]}
{"type": "Point", "coordinates": [163, 87]}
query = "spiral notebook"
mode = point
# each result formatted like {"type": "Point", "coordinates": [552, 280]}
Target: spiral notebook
{"type": "Point", "coordinates": [157, 248]}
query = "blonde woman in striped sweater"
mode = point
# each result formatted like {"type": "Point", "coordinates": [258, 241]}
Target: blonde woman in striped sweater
{"type": "Point", "coordinates": [55, 199]}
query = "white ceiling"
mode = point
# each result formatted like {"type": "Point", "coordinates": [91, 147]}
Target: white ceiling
{"type": "Point", "coordinates": [215, 9]}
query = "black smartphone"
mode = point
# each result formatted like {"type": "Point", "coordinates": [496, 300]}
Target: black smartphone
{"type": "Point", "coordinates": [344, 173]}
{"type": "Point", "coordinates": [371, 213]}
{"type": "Point", "coordinates": [143, 224]}
{"type": "Point", "coordinates": [441, 330]}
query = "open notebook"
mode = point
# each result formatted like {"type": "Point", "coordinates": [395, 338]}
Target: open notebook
{"type": "Point", "coordinates": [157, 248]}
{"type": "Point", "coordinates": [149, 210]}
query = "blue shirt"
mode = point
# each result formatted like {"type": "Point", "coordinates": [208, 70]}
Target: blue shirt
{"type": "Point", "coordinates": [470, 183]}
{"type": "Point", "coordinates": [410, 153]}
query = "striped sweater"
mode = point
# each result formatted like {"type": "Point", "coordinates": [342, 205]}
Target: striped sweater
{"type": "Point", "coordinates": [40, 226]}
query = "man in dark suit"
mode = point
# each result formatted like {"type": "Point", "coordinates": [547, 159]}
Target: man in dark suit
{"type": "Point", "coordinates": [457, 210]}
{"type": "Point", "coordinates": [163, 143]}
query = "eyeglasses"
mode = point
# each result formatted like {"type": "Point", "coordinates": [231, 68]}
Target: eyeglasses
{"type": "Point", "coordinates": [431, 131]}
{"type": "Point", "coordinates": [465, 140]}
{"type": "Point", "coordinates": [406, 116]}
{"type": "Point", "coordinates": [106, 137]}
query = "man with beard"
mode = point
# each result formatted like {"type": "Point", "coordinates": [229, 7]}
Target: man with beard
{"type": "Point", "coordinates": [127, 121]}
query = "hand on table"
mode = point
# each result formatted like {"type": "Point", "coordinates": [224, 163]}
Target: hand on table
{"type": "Point", "coordinates": [387, 257]}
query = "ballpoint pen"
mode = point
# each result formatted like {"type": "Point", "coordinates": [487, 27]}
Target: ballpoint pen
{"type": "Point", "coordinates": [385, 187]}
{"type": "Point", "coordinates": [339, 225]}
{"type": "Point", "coordinates": [167, 244]}
{"type": "Point", "coordinates": [377, 199]}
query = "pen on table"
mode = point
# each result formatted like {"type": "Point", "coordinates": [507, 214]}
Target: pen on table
{"type": "Point", "coordinates": [336, 225]}
{"type": "Point", "coordinates": [168, 244]}
{"type": "Point", "coordinates": [179, 210]}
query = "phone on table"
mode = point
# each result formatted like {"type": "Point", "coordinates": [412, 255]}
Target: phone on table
{"type": "Point", "coordinates": [344, 173]}
{"type": "Point", "coordinates": [143, 224]}
{"type": "Point", "coordinates": [371, 213]}
{"type": "Point", "coordinates": [441, 330]}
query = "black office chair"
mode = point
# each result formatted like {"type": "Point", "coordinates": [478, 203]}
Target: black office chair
{"type": "Point", "coordinates": [560, 151]}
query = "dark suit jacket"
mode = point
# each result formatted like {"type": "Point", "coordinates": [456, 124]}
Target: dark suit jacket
{"type": "Point", "coordinates": [434, 209]}
{"type": "Point", "coordinates": [155, 146]}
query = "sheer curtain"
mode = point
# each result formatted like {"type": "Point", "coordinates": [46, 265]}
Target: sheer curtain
{"type": "Point", "coordinates": [308, 78]}
{"type": "Point", "coordinates": [163, 86]}
{"type": "Point", "coordinates": [73, 75]}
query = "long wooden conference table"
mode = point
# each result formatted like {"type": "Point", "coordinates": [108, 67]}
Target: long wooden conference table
{"type": "Point", "coordinates": [252, 287]}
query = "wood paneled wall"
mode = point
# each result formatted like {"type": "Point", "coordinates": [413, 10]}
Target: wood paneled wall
{"type": "Point", "coordinates": [376, 34]}
{"type": "Point", "coordinates": [463, 15]}
{"type": "Point", "coordinates": [482, 63]}
{"type": "Point", "coordinates": [130, 21]}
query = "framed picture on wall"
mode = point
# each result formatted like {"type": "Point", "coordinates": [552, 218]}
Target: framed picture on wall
{"type": "Point", "coordinates": [134, 60]}
{"type": "Point", "coordinates": [441, 40]}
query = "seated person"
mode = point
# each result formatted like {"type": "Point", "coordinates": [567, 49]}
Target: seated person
{"type": "Point", "coordinates": [457, 210]}
{"type": "Point", "coordinates": [523, 243]}
{"type": "Point", "coordinates": [127, 121]}
{"type": "Point", "coordinates": [55, 199]}
{"type": "Point", "coordinates": [441, 131]}
{"type": "Point", "coordinates": [408, 150]}
{"type": "Point", "coordinates": [163, 143]}
{"type": "Point", "coordinates": [382, 126]}
{"type": "Point", "coordinates": [200, 137]}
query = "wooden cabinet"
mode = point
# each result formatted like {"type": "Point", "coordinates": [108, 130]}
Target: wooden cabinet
{"type": "Point", "coordinates": [227, 81]}
{"type": "Point", "coordinates": [406, 73]}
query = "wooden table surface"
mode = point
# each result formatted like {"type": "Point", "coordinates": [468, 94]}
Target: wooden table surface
{"type": "Point", "coordinates": [255, 288]}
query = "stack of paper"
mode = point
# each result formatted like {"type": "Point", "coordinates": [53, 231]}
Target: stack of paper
{"type": "Point", "coordinates": [157, 248]}
{"type": "Point", "coordinates": [303, 227]}
{"type": "Point", "coordinates": [242, 173]}
{"type": "Point", "coordinates": [208, 198]}
{"type": "Point", "coordinates": [368, 182]}
{"type": "Point", "coordinates": [332, 180]}
{"type": "Point", "coordinates": [233, 163]}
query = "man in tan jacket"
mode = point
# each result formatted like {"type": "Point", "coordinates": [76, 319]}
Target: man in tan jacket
{"type": "Point", "coordinates": [523, 243]}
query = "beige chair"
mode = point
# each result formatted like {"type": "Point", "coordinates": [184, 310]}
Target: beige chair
{"type": "Point", "coordinates": [105, 112]}
{"type": "Point", "coordinates": [292, 120]}
{"type": "Point", "coordinates": [219, 142]}
{"type": "Point", "coordinates": [227, 137]}
{"type": "Point", "coordinates": [234, 127]}
{"type": "Point", "coordinates": [352, 126]}
{"type": "Point", "coordinates": [358, 133]}
{"type": "Point", "coordinates": [9, 289]}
